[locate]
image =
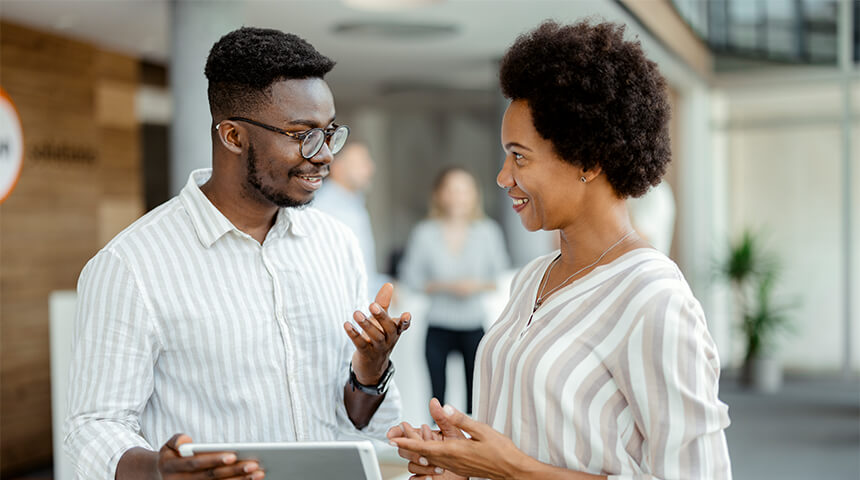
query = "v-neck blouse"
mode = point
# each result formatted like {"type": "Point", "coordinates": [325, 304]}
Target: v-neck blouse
{"type": "Point", "coordinates": [616, 375]}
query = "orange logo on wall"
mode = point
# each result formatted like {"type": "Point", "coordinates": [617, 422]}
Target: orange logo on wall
{"type": "Point", "coordinates": [11, 145]}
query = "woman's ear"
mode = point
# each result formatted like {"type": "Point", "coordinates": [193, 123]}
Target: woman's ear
{"type": "Point", "coordinates": [591, 173]}
{"type": "Point", "coordinates": [230, 136]}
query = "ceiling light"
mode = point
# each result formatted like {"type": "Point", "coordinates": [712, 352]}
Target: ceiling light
{"type": "Point", "coordinates": [396, 30]}
{"type": "Point", "coordinates": [388, 4]}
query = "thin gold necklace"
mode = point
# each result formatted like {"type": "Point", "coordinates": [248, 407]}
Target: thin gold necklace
{"type": "Point", "coordinates": [543, 296]}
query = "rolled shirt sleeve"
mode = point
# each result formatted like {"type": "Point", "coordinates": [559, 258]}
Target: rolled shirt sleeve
{"type": "Point", "coordinates": [669, 373]}
{"type": "Point", "coordinates": [111, 374]}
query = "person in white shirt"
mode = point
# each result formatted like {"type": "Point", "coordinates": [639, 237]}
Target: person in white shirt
{"type": "Point", "coordinates": [223, 315]}
{"type": "Point", "coordinates": [343, 197]}
{"type": "Point", "coordinates": [601, 365]}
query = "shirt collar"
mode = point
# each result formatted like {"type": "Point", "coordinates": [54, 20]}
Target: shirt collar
{"type": "Point", "coordinates": [210, 224]}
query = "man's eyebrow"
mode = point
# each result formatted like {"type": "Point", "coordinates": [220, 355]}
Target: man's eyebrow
{"type": "Point", "coordinates": [509, 145]}
{"type": "Point", "coordinates": [308, 123]}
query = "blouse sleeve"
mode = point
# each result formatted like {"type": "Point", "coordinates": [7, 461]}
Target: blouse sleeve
{"type": "Point", "coordinates": [669, 373]}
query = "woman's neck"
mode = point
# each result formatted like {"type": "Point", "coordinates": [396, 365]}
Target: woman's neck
{"type": "Point", "coordinates": [591, 236]}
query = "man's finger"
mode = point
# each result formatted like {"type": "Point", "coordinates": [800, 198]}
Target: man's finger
{"type": "Point", "coordinates": [386, 323]}
{"type": "Point", "coordinates": [403, 322]}
{"type": "Point", "coordinates": [372, 330]}
{"type": "Point", "coordinates": [383, 297]}
{"type": "Point", "coordinates": [177, 440]}
{"type": "Point", "coordinates": [438, 413]}
{"type": "Point", "coordinates": [239, 470]}
{"type": "Point", "coordinates": [358, 339]}
{"type": "Point", "coordinates": [200, 462]}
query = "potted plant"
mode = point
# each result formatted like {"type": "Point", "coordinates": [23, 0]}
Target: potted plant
{"type": "Point", "coordinates": [753, 273]}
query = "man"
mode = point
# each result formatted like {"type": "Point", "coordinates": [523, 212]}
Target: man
{"type": "Point", "coordinates": [342, 196]}
{"type": "Point", "coordinates": [219, 313]}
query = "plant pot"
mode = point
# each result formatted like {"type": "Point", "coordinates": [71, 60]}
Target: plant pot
{"type": "Point", "coordinates": [766, 374]}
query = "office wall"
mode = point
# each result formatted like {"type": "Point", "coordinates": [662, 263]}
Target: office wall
{"type": "Point", "coordinates": [80, 184]}
{"type": "Point", "coordinates": [785, 147]}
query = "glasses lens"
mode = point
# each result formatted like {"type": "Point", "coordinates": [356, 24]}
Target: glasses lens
{"type": "Point", "coordinates": [338, 139]}
{"type": "Point", "coordinates": [312, 143]}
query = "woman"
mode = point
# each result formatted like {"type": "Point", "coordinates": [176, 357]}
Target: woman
{"type": "Point", "coordinates": [453, 257]}
{"type": "Point", "coordinates": [601, 365]}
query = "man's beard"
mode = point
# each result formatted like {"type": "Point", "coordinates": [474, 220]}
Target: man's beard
{"type": "Point", "coordinates": [280, 199]}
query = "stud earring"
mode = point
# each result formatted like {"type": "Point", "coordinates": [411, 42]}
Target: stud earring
{"type": "Point", "coordinates": [582, 179]}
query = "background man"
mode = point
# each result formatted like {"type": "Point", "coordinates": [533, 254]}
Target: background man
{"type": "Point", "coordinates": [342, 196]}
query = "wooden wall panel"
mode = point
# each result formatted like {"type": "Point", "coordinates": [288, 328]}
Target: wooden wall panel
{"type": "Point", "coordinates": [80, 183]}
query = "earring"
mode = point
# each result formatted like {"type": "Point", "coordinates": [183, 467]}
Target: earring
{"type": "Point", "coordinates": [583, 179]}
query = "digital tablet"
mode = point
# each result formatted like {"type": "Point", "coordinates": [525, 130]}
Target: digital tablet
{"type": "Point", "coordinates": [301, 460]}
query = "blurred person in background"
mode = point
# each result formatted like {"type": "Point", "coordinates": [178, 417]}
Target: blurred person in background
{"type": "Point", "coordinates": [453, 257]}
{"type": "Point", "coordinates": [222, 313]}
{"type": "Point", "coordinates": [343, 196]}
{"type": "Point", "coordinates": [601, 365]}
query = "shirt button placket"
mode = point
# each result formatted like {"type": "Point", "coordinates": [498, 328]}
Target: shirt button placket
{"type": "Point", "coordinates": [295, 410]}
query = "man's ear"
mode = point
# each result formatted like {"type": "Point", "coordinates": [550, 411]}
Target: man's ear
{"type": "Point", "coordinates": [231, 136]}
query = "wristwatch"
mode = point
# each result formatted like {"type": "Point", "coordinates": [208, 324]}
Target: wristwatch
{"type": "Point", "coordinates": [375, 390]}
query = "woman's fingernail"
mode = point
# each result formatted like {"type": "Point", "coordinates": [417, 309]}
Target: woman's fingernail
{"type": "Point", "coordinates": [449, 410]}
{"type": "Point", "coordinates": [439, 471]}
{"type": "Point", "coordinates": [375, 308]}
{"type": "Point", "coordinates": [249, 467]}
{"type": "Point", "coordinates": [392, 444]}
{"type": "Point", "coordinates": [229, 458]}
{"type": "Point", "coordinates": [423, 461]}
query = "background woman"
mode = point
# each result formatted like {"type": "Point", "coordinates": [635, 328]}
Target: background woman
{"type": "Point", "coordinates": [453, 257]}
{"type": "Point", "coordinates": [601, 364]}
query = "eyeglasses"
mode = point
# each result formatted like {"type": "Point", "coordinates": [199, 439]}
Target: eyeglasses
{"type": "Point", "coordinates": [311, 140]}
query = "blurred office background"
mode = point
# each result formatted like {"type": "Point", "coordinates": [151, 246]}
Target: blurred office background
{"type": "Point", "coordinates": [111, 99]}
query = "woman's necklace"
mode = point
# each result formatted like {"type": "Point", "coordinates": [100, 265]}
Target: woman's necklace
{"type": "Point", "coordinates": [543, 296]}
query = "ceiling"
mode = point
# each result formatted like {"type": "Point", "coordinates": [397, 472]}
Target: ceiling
{"type": "Point", "coordinates": [460, 62]}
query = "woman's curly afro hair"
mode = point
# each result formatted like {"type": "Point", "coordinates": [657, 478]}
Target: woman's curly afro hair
{"type": "Point", "coordinates": [596, 98]}
{"type": "Point", "coordinates": [243, 64]}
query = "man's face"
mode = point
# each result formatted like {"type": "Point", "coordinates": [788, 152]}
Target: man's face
{"type": "Point", "coordinates": [276, 171]}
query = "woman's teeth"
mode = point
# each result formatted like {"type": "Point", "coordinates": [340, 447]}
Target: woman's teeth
{"type": "Point", "coordinates": [521, 201]}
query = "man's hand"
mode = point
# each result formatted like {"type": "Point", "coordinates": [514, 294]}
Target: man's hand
{"type": "Point", "coordinates": [222, 465]}
{"type": "Point", "coordinates": [379, 334]}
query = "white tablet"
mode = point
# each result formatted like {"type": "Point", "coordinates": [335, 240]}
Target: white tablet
{"type": "Point", "coordinates": [301, 460]}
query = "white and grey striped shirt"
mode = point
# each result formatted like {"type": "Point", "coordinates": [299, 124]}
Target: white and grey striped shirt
{"type": "Point", "coordinates": [617, 374]}
{"type": "Point", "coordinates": [187, 324]}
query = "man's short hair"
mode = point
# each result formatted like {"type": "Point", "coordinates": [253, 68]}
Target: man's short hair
{"type": "Point", "coordinates": [243, 65]}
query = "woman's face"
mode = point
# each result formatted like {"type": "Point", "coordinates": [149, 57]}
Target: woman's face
{"type": "Point", "coordinates": [457, 196]}
{"type": "Point", "coordinates": [545, 189]}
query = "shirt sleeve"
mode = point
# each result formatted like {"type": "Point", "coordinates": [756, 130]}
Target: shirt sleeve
{"type": "Point", "coordinates": [115, 347]}
{"type": "Point", "coordinates": [389, 411]}
{"type": "Point", "coordinates": [669, 373]}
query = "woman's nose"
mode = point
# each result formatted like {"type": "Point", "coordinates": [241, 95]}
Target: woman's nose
{"type": "Point", "coordinates": [504, 179]}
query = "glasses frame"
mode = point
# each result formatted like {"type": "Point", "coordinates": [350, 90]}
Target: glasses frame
{"type": "Point", "coordinates": [300, 136]}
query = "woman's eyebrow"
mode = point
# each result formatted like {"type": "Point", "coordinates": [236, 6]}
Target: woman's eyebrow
{"type": "Point", "coordinates": [510, 145]}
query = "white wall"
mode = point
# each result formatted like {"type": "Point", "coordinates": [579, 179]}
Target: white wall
{"type": "Point", "coordinates": [784, 151]}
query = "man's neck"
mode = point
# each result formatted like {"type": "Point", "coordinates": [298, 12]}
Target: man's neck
{"type": "Point", "coordinates": [248, 214]}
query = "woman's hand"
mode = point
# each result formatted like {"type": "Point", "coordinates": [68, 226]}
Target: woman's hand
{"type": "Point", "coordinates": [487, 453]}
